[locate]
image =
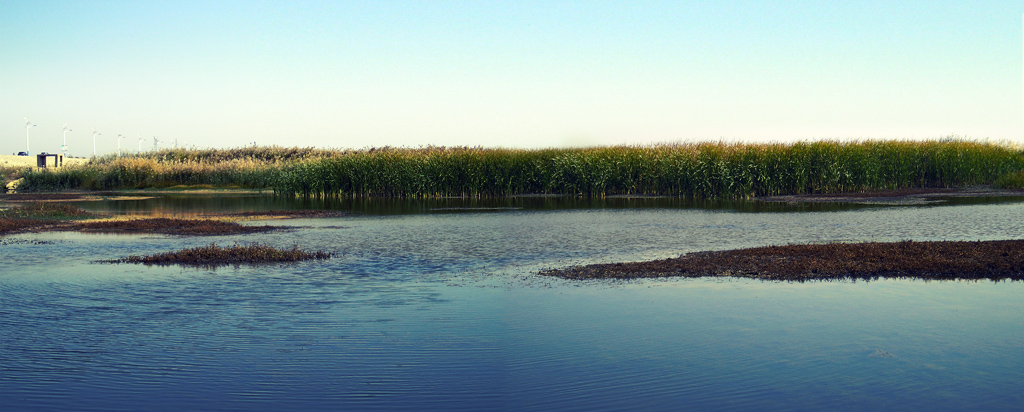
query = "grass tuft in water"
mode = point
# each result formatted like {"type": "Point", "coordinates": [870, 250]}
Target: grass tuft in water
{"type": "Point", "coordinates": [213, 255]}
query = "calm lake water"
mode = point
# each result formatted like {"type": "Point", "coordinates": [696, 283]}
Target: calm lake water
{"type": "Point", "coordinates": [435, 305]}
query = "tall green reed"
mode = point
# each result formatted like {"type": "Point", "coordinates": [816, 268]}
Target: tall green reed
{"type": "Point", "coordinates": [706, 170]}
{"type": "Point", "coordinates": [692, 170]}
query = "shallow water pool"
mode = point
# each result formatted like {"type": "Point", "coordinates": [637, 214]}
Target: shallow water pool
{"type": "Point", "coordinates": [440, 308]}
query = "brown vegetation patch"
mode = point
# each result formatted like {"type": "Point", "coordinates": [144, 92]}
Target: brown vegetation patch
{"type": "Point", "coordinates": [36, 197]}
{"type": "Point", "coordinates": [10, 225]}
{"type": "Point", "coordinates": [34, 216]}
{"type": "Point", "coordinates": [168, 226]}
{"type": "Point", "coordinates": [213, 255]}
{"type": "Point", "coordinates": [995, 260]}
{"type": "Point", "coordinates": [45, 210]}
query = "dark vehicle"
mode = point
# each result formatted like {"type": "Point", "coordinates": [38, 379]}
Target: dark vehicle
{"type": "Point", "coordinates": [22, 153]}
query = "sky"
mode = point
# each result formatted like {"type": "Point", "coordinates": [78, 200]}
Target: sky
{"type": "Point", "coordinates": [516, 74]}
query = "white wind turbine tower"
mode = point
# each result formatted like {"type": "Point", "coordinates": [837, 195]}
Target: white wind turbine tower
{"type": "Point", "coordinates": [64, 147]}
{"type": "Point", "coordinates": [28, 125]}
{"type": "Point", "coordinates": [119, 137]}
{"type": "Point", "coordinates": [140, 143]}
{"type": "Point", "coordinates": [94, 134]}
{"type": "Point", "coordinates": [156, 144]}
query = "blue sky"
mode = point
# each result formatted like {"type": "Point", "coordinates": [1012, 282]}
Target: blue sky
{"type": "Point", "coordinates": [356, 74]}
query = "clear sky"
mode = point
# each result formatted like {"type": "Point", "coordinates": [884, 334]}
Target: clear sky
{"type": "Point", "coordinates": [358, 74]}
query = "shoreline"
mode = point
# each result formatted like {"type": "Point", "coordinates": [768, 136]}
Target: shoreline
{"type": "Point", "coordinates": [881, 195]}
{"type": "Point", "coordinates": [939, 260]}
{"type": "Point", "coordinates": [906, 196]}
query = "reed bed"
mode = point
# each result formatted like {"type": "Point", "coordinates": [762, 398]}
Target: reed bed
{"type": "Point", "coordinates": [248, 167]}
{"type": "Point", "coordinates": [9, 173]}
{"type": "Point", "coordinates": [1013, 180]}
{"type": "Point", "coordinates": [265, 154]}
{"type": "Point", "coordinates": [146, 173]}
{"type": "Point", "coordinates": [707, 170]}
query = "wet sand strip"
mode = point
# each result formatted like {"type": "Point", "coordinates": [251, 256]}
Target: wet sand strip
{"type": "Point", "coordinates": [993, 260]}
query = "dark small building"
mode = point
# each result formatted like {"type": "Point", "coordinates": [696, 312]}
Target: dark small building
{"type": "Point", "coordinates": [43, 160]}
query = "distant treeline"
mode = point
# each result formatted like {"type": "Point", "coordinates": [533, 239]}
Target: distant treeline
{"type": "Point", "coordinates": [704, 170]}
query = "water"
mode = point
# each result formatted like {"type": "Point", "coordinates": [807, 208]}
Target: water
{"type": "Point", "coordinates": [435, 305]}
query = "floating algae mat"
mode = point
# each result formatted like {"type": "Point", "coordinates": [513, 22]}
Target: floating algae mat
{"type": "Point", "coordinates": [213, 255]}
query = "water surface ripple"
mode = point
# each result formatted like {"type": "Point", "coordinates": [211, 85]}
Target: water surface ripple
{"type": "Point", "coordinates": [441, 310]}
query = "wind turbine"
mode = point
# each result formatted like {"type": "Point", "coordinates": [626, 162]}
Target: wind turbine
{"type": "Point", "coordinates": [119, 137]}
{"type": "Point", "coordinates": [140, 143]}
{"type": "Point", "coordinates": [64, 147]}
{"type": "Point", "coordinates": [28, 125]}
{"type": "Point", "coordinates": [94, 134]}
{"type": "Point", "coordinates": [156, 144]}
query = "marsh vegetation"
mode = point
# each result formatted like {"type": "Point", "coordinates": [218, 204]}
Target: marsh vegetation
{"type": "Point", "coordinates": [1010, 181]}
{"type": "Point", "coordinates": [213, 255]}
{"type": "Point", "coordinates": [36, 215]}
{"type": "Point", "coordinates": [707, 170]}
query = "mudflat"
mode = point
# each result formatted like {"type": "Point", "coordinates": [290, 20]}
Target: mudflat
{"type": "Point", "coordinates": [945, 260]}
{"type": "Point", "coordinates": [53, 216]}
